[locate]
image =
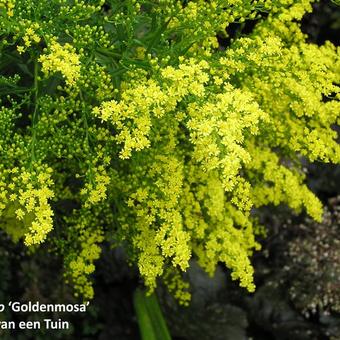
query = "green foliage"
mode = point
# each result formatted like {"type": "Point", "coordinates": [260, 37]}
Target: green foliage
{"type": "Point", "coordinates": [150, 318]}
{"type": "Point", "coordinates": [158, 138]}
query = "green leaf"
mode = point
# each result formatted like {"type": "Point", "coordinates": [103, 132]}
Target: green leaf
{"type": "Point", "coordinates": [150, 317]}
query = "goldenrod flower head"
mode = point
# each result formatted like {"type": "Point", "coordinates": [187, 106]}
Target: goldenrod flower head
{"type": "Point", "coordinates": [61, 58]}
{"type": "Point", "coordinates": [8, 5]}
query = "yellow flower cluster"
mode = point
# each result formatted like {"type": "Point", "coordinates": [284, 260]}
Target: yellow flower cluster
{"type": "Point", "coordinates": [135, 107]}
{"type": "Point", "coordinates": [305, 72]}
{"type": "Point", "coordinates": [157, 135]}
{"type": "Point", "coordinates": [61, 58]}
{"type": "Point", "coordinates": [225, 244]}
{"type": "Point", "coordinates": [95, 190]}
{"type": "Point", "coordinates": [29, 194]}
{"type": "Point", "coordinates": [8, 5]}
{"type": "Point", "coordinates": [81, 262]}
{"type": "Point", "coordinates": [201, 21]}
{"type": "Point", "coordinates": [220, 232]}
{"type": "Point", "coordinates": [215, 215]}
{"type": "Point", "coordinates": [158, 205]}
{"type": "Point", "coordinates": [217, 130]}
{"type": "Point", "coordinates": [188, 79]}
{"type": "Point", "coordinates": [280, 184]}
{"type": "Point", "coordinates": [30, 36]}
{"type": "Point", "coordinates": [145, 99]}
{"type": "Point", "coordinates": [177, 286]}
{"type": "Point", "coordinates": [176, 218]}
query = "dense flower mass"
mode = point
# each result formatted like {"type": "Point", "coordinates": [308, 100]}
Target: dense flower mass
{"type": "Point", "coordinates": [62, 59]}
{"type": "Point", "coordinates": [126, 122]}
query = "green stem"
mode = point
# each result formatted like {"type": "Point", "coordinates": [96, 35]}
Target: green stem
{"type": "Point", "coordinates": [150, 317]}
